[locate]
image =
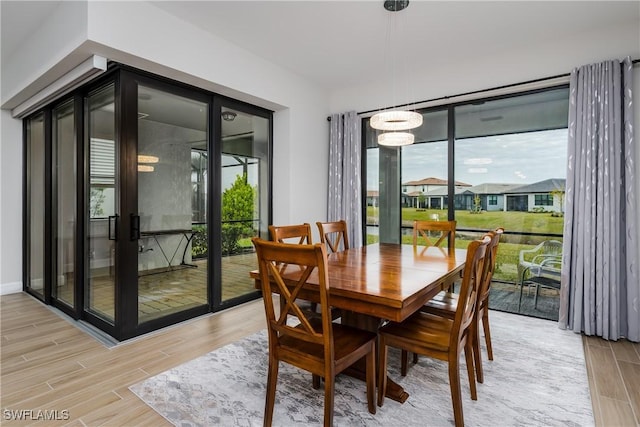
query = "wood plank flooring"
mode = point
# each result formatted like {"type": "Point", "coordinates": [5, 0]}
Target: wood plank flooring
{"type": "Point", "coordinates": [47, 364]}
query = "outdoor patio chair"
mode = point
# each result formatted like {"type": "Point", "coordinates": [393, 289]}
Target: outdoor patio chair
{"type": "Point", "coordinates": [541, 260]}
{"type": "Point", "coordinates": [540, 267]}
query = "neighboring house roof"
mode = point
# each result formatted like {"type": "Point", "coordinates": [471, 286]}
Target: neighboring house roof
{"type": "Point", "coordinates": [546, 186]}
{"type": "Point", "coordinates": [443, 191]}
{"type": "Point", "coordinates": [372, 193]}
{"type": "Point", "coordinates": [493, 188]}
{"type": "Point", "coordinates": [435, 181]}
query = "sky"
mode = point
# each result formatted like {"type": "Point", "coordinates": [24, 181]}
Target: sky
{"type": "Point", "coordinates": [522, 158]}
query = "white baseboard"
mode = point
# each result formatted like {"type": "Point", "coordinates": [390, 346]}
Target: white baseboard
{"type": "Point", "coordinates": [10, 288]}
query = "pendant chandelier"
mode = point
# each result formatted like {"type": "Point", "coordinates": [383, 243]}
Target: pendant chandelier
{"type": "Point", "coordinates": [393, 121]}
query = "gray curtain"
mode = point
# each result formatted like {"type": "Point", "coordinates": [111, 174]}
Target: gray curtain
{"type": "Point", "coordinates": [600, 291]}
{"type": "Point", "coordinates": [345, 192]}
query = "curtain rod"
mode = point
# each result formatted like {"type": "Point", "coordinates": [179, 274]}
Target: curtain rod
{"type": "Point", "coordinates": [442, 98]}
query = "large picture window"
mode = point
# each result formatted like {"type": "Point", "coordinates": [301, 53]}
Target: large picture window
{"type": "Point", "coordinates": [504, 162]}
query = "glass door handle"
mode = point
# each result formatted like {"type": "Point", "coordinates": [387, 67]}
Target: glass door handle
{"type": "Point", "coordinates": [113, 229]}
{"type": "Point", "coordinates": [135, 227]}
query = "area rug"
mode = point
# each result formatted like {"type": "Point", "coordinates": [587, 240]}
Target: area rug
{"type": "Point", "coordinates": [538, 378]}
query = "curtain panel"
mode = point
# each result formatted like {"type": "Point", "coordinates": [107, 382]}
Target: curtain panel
{"type": "Point", "coordinates": [345, 181]}
{"type": "Point", "coordinates": [600, 287]}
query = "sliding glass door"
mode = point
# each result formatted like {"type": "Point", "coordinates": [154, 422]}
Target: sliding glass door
{"type": "Point", "coordinates": [142, 196]}
{"type": "Point", "coordinates": [102, 206]}
{"type": "Point", "coordinates": [65, 182]}
{"type": "Point", "coordinates": [35, 212]}
{"type": "Point", "coordinates": [173, 132]}
{"type": "Point", "coordinates": [244, 186]}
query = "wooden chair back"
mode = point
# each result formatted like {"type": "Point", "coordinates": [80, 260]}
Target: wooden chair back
{"type": "Point", "coordinates": [469, 291]}
{"type": "Point", "coordinates": [299, 233]}
{"type": "Point", "coordinates": [434, 233]}
{"type": "Point", "coordinates": [299, 262]}
{"type": "Point", "coordinates": [333, 234]}
{"type": "Point", "coordinates": [489, 267]}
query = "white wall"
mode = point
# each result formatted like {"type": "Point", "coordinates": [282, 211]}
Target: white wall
{"type": "Point", "coordinates": [10, 204]}
{"type": "Point", "coordinates": [143, 36]}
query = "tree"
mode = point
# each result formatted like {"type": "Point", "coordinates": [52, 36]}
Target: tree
{"type": "Point", "coordinates": [238, 208]}
{"type": "Point", "coordinates": [421, 200]}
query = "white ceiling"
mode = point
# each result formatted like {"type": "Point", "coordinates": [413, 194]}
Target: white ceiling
{"type": "Point", "coordinates": [341, 43]}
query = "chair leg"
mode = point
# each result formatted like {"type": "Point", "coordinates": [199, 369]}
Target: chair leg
{"type": "Point", "coordinates": [404, 360]}
{"type": "Point", "coordinates": [329, 382]}
{"type": "Point", "coordinates": [371, 381]}
{"type": "Point", "coordinates": [477, 356]}
{"type": "Point", "coordinates": [382, 370]}
{"type": "Point", "coordinates": [272, 380]}
{"type": "Point", "coordinates": [415, 358]}
{"type": "Point", "coordinates": [315, 379]}
{"type": "Point", "coordinates": [456, 393]}
{"type": "Point", "coordinates": [487, 333]}
{"type": "Point", "coordinates": [468, 354]}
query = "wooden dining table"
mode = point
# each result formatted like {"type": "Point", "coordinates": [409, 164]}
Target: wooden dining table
{"type": "Point", "coordinates": [383, 281]}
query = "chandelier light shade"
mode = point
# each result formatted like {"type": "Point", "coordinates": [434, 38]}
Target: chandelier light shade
{"type": "Point", "coordinates": [396, 120]}
{"type": "Point", "coordinates": [395, 139]}
{"type": "Point", "coordinates": [143, 158]}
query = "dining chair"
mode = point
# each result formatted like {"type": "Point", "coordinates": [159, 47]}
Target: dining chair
{"type": "Point", "coordinates": [434, 233]}
{"type": "Point", "coordinates": [334, 234]}
{"type": "Point", "coordinates": [298, 233]}
{"type": "Point", "coordinates": [440, 337]}
{"type": "Point", "coordinates": [321, 347]}
{"type": "Point", "coordinates": [445, 304]}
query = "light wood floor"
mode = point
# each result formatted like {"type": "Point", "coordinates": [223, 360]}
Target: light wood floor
{"type": "Point", "coordinates": [49, 364]}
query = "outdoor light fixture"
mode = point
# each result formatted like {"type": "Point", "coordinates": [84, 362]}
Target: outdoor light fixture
{"type": "Point", "coordinates": [395, 120]}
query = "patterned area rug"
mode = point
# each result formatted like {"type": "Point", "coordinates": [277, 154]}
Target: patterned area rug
{"type": "Point", "coordinates": [538, 378]}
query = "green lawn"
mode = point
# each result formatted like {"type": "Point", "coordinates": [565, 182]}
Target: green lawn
{"type": "Point", "coordinates": [510, 245]}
